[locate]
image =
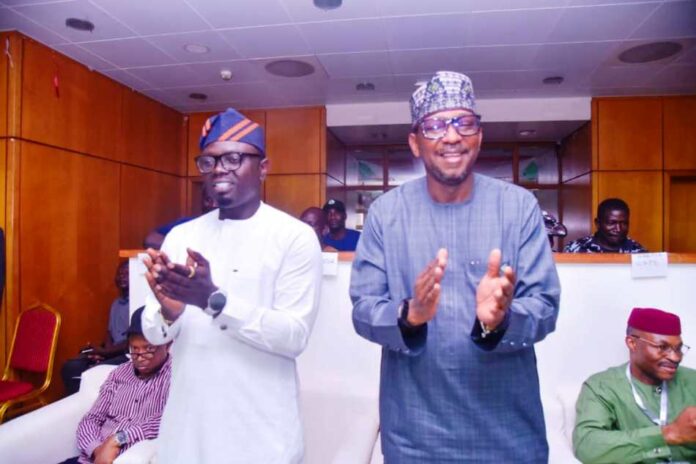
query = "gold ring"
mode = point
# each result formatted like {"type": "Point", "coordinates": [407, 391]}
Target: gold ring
{"type": "Point", "coordinates": [192, 272]}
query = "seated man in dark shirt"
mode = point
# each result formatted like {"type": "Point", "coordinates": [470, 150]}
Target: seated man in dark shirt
{"type": "Point", "coordinates": [612, 231]}
{"type": "Point", "coordinates": [130, 402]}
{"type": "Point", "coordinates": [339, 237]}
{"type": "Point", "coordinates": [113, 349]}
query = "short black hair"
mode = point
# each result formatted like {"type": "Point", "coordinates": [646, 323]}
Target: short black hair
{"type": "Point", "coordinates": [612, 204]}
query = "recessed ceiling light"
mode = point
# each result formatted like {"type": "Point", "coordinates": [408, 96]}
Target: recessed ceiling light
{"type": "Point", "coordinates": [553, 80]}
{"type": "Point", "coordinates": [198, 96]}
{"type": "Point", "coordinates": [79, 24]}
{"type": "Point", "coordinates": [196, 49]}
{"type": "Point", "coordinates": [653, 51]}
{"type": "Point", "coordinates": [327, 4]}
{"type": "Point", "coordinates": [527, 132]}
{"type": "Point", "coordinates": [289, 68]}
{"type": "Point", "coordinates": [365, 86]}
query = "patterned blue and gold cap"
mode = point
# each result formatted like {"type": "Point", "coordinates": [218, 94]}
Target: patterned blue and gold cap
{"type": "Point", "coordinates": [231, 125]}
{"type": "Point", "coordinates": [446, 90]}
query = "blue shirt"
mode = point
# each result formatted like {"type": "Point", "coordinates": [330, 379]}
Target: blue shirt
{"type": "Point", "coordinates": [444, 399]}
{"type": "Point", "coordinates": [348, 243]}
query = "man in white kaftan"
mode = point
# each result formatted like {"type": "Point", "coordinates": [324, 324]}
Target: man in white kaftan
{"type": "Point", "coordinates": [239, 305]}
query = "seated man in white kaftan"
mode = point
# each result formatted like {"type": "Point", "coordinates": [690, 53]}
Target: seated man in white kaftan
{"type": "Point", "coordinates": [236, 290]}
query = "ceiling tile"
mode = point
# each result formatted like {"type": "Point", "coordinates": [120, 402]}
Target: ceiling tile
{"type": "Point", "coordinates": [687, 56]}
{"type": "Point", "coordinates": [11, 20]}
{"type": "Point", "coordinates": [53, 16]}
{"type": "Point", "coordinates": [27, 2]}
{"type": "Point", "coordinates": [154, 16]}
{"type": "Point", "coordinates": [168, 98]}
{"type": "Point", "coordinates": [671, 19]}
{"type": "Point", "coordinates": [345, 36]}
{"type": "Point", "coordinates": [173, 45]}
{"type": "Point", "coordinates": [83, 56]}
{"type": "Point", "coordinates": [242, 71]}
{"type": "Point", "coordinates": [511, 27]}
{"type": "Point", "coordinates": [491, 5]}
{"type": "Point", "coordinates": [411, 32]}
{"type": "Point", "coordinates": [427, 61]}
{"type": "Point", "coordinates": [383, 85]}
{"type": "Point", "coordinates": [305, 11]}
{"type": "Point", "coordinates": [179, 75]}
{"type": "Point", "coordinates": [267, 41]}
{"type": "Point", "coordinates": [581, 55]}
{"type": "Point", "coordinates": [125, 78]}
{"type": "Point", "coordinates": [675, 76]}
{"type": "Point", "coordinates": [595, 23]}
{"type": "Point", "coordinates": [389, 8]}
{"type": "Point", "coordinates": [128, 53]}
{"type": "Point", "coordinates": [603, 2]}
{"type": "Point", "coordinates": [241, 12]}
{"type": "Point", "coordinates": [624, 76]}
{"type": "Point", "coordinates": [498, 58]}
{"type": "Point", "coordinates": [356, 64]}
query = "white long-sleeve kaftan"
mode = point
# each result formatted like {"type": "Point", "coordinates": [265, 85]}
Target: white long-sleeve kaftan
{"type": "Point", "coordinates": [234, 392]}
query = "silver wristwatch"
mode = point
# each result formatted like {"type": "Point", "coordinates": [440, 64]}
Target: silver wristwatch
{"type": "Point", "coordinates": [216, 303]}
{"type": "Point", "coordinates": [121, 438]}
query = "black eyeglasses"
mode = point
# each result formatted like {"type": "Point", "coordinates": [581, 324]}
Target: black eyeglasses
{"type": "Point", "coordinates": [149, 353]}
{"type": "Point", "coordinates": [436, 128]}
{"type": "Point", "coordinates": [229, 161]}
{"type": "Point", "coordinates": [665, 348]}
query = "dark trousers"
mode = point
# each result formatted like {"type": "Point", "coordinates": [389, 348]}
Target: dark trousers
{"type": "Point", "coordinates": [72, 370]}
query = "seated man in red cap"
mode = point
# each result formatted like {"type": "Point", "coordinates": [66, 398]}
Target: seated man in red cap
{"type": "Point", "coordinates": [643, 411]}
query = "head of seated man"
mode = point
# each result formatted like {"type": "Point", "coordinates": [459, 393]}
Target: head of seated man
{"type": "Point", "coordinates": [316, 219]}
{"type": "Point", "coordinates": [611, 236]}
{"type": "Point", "coordinates": [643, 411]}
{"type": "Point", "coordinates": [339, 237]}
{"type": "Point", "coordinates": [147, 359]}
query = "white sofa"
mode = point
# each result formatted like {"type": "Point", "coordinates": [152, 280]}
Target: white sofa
{"type": "Point", "coordinates": [47, 435]}
{"type": "Point", "coordinates": [339, 382]}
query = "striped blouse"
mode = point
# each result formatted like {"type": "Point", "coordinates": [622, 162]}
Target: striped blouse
{"type": "Point", "coordinates": [125, 402]}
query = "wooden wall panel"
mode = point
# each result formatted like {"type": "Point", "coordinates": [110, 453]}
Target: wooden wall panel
{"type": "Point", "coordinates": [629, 133]}
{"type": "Point", "coordinates": [195, 124]}
{"type": "Point", "coordinates": [83, 115]}
{"type": "Point", "coordinates": [151, 134]}
{"type": "Point", "coordinates": [680, 132]}
{"type": "Point", "coordinates": [680, 211]}
{"type": "Point", "coordinates": [4, 80]}
{"type": "Point", "coordinates": [294, 193]}
{"type": "Point", "coordinates": [69, 242]}
{"type": "Point", "coordinates": [643, 193]}
{"type": "Point", "coordinates": [148, 199]}
{"type": "Point", "coordinates": [576, 198]}
{"type": "Point", "coordinates": [576, 154]}
{"type": "Point", "coordinates": [295, 140]}
{"type": "Point", "coordinates": [4, 319]}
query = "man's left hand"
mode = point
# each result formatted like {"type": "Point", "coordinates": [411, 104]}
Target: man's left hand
{"type": "Point", "coordinates": [190, 283]}
{"type": "Point", "coordinates": [107, 451]}
{"type": "Point", "coordinates": [495, 291]}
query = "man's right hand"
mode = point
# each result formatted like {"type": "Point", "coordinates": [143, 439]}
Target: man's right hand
{"type": "Point", "coordinates": [426, 291]}
{"type": "Point", "coordinates": [156, 263]}
{"type": "Point", "coordinates": [683, 430]}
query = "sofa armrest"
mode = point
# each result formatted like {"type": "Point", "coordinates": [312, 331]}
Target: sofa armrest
{"type": "Point", "coordinates": [44, 435]}
{"type": "Point", "coordinates": [48, 434]}
{"type": "Point", "coordinates": [142, 452]}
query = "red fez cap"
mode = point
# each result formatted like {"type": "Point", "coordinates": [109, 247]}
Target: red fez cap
{"type": "Point", "coordinates": [655, 321]}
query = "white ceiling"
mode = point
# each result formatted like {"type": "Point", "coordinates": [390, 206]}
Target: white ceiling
{"type": "Point", "coordinates": [506, 46]}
